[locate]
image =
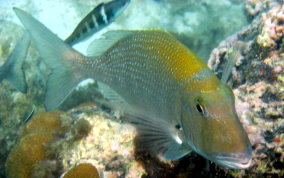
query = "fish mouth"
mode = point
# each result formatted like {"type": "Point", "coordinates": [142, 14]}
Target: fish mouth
{"type": "Point", "coordinates": [241, 160]}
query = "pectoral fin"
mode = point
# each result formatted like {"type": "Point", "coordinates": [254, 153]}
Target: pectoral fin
{"type": "Point", "coordinates": [158, 136]}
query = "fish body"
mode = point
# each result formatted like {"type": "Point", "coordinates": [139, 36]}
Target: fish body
{"type": "Point", "coordinates": [139, 70]}
{"type": "Point", "coordinates": [12, 70]}
{"type": "Point", "coordinates": [176, 103]}
{"type": "Point", "coordinates": [101, 16]}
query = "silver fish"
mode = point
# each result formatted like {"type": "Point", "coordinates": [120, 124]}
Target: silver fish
{"type": "Point", "coordinates": [12, 69]}
{"type": "Point", "coordinates": [100, 17]}
{"type": "Point", "coordinates": [175, 101]}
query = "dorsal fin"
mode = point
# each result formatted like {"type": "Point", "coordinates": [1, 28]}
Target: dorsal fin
{"type": "Point", "coordinates": [99, 46]}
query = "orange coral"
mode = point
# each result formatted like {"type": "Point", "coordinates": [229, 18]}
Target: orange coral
{"type": "Point", "coordinates": [34, 138]}
{"type": "Point", "coordinates": [84, 170]}
{"type": "Point", "coordinates": [26, 153]}
{"type": "Point", "coordinates": [45, 122]}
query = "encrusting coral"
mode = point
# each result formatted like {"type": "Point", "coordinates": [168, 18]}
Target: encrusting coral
{"type": "Point", "coordinates": [27, 153]}
{"type": "Point", "coordinates": [45, 122]}
{"type": "Point", "coordinates": [83, 170]}
{"type": "Point", "coordinates": [34, 139]}
{"type": "Point", "coordinates": [59, 141]}
{"type": "Point", "coordinates": [108, 144]}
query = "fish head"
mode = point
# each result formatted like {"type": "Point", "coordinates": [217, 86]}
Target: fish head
{"type": "Point", "coordinates": [116, 7]}
{"type": "Point", "coordinates": [213, 129]}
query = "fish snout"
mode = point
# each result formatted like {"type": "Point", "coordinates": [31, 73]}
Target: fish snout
{"type": "Point", "coordinates": [240, 160]}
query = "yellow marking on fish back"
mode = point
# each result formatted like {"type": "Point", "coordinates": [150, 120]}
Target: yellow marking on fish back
{"type": "Point", "coordinates": [206, 85]}
{"type": "Point", "coordinates": [178, 59]}
{"type": "Point", "coordinates": [185, 64]}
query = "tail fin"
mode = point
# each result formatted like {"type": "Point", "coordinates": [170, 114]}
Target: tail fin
{"type": "Point", "coordinates": [13, 65]}
{"type": "Point", "coordinates": [60, 58]}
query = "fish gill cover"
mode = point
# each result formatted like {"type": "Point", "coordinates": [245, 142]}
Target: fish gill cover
{"type": "Point", "coordinates": [201, 25]}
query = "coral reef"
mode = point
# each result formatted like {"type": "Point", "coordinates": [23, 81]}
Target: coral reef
{"type": "Point", "coordinates": [14, 106]}
{"type": "Point", "coordinates": [187, 20]}
{"type": "Point", "coordinates": [255, 7]}
{"type": "Point", "coordinates": [83, 170]}
{"type": "Point", "coordinates": [60, 141]}
{"type": "Point", "coordinates": [34, 138]}
{"type": "Point", "coordinates": [26, 154]}
{"type": "Point", "coordinates": [108, 145]}
{"type": "Point", "coordinates": [257, 80]}
{"type": "Point", "coordinates": [65, 141]}
{"type": "Point", "coordinates": [45, 122]}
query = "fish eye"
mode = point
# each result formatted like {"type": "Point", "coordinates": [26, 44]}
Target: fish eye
{"type": "Point", "coordinates": [178, 126]}
{"type": "Point", "coordinates": [200, 109]}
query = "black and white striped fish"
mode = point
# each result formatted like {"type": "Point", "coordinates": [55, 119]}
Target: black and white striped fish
{"type": "Point", "coordinates": [101, 16]}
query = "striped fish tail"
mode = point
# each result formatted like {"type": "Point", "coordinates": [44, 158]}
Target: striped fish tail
{"type": "Point", "coordinates": [100, 17]}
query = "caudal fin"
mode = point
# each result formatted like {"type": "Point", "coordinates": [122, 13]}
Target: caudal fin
{"type": "Point", "coordinates": [13, 66]}
{"type": "Point", "coordinates": [60, 58]}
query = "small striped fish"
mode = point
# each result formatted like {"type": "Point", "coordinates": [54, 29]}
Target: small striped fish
{"type": "Point", "coordinates": [101, 16]}
{"type": "Point", "coordinates": [175, 101]}
{"type": "Point", "coordinates": [12, 69]}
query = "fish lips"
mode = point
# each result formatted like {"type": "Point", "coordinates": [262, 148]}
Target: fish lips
{"type": "Point", "coordinates": [241, 160]}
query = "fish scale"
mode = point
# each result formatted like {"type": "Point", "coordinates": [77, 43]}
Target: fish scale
{"type": "Point", "coordinates": [138, 89]}
{"type": "Point", "coordinates": [137, 76]}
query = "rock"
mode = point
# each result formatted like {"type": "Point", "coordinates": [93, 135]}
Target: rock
{"type": "Point", "coordinates": [257, 80]}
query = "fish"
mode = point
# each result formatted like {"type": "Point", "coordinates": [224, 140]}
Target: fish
{"type": "Point", "coordinates": [12, 69]}
{"type": "Point", "coordinates": [231, 56]}
{"type": "Point", "coordinates": [97, 19]}
{"type": "Point", "coordinates": [28, 118]}
{"type": "Point", "coordinates": [167, 92]}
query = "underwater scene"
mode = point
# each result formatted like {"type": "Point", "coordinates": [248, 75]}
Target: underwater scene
{"type": "Point", "coordinates": [141, 88]}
